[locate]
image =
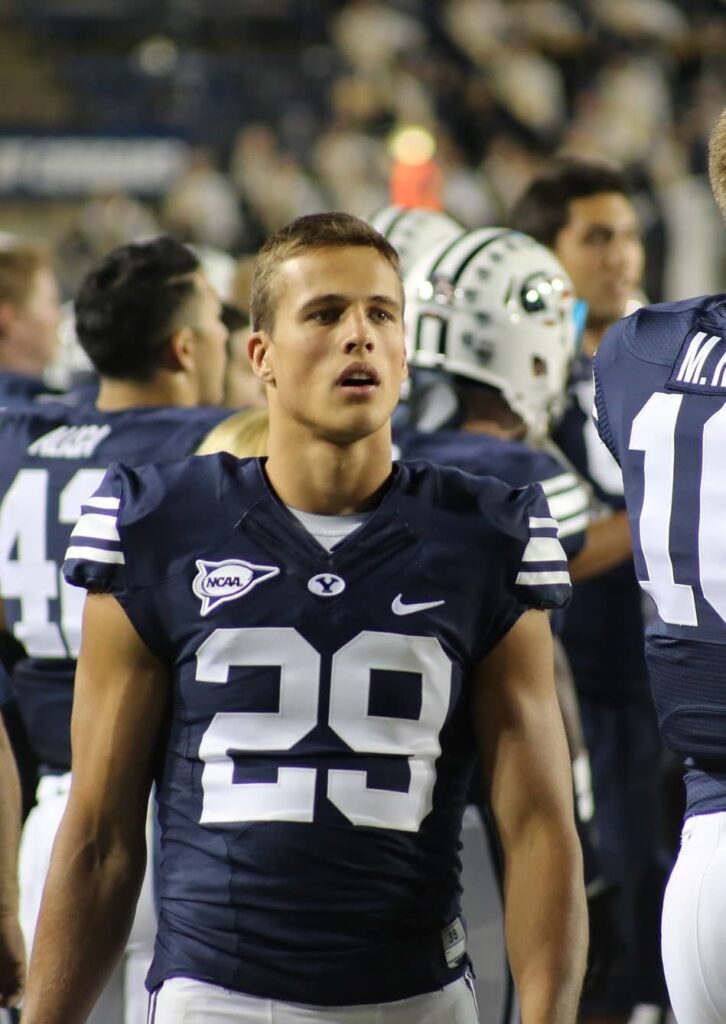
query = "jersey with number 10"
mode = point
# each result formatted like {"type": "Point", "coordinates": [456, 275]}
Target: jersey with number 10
{"type": "Point", "coordinates": [660, 406]}
{"type": "Point", "coordinates": [319, 738]}
{"type": "Point", "coordinates": [52, 457]}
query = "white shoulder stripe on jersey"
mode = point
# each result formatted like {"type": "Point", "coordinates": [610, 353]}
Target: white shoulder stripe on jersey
{"type": "Point", "coordinates": [541, 523]}
{"type": "Point", "coordinates": [569, 503]}
{"type": "Point", "coordinates": [99, 502]}
{"type": "Point", "coordinates": [575, 524]}
{"type": "Point", "coordinates": [96, 527]}
{"type": "Point", "coordinates": [543, 549]}
{"type": "Point", "coordinates": [558, 483]}
{"type": "Point", "coordinates": [535, 579]}
{"type": "Point", "coordinates": [95, 555]}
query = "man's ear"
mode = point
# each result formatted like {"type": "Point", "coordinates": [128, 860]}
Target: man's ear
{"type": "Point", "coordinates": [178, 352]}
{"type": "Point", "coordinates": [259, 346]}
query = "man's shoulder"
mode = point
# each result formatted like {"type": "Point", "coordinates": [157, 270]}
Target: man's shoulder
{"type": "Point", "coordinates": [59, 432]}
{"type": "Point", "coordinates": [485, 500]}
{"type": "Point", "coordinates": [515, 462]}
{"type": "Point", "coordinates": [177, 487]}
{"type": "Point", "coordinates": [655, 334]}
{"type": "Point", "coordinates": [146, 518]}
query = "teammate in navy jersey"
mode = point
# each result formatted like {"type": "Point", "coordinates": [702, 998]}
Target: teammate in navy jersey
{"type": "Point", "coordinates": [584, 212]}
{"type": "Point", "coordinates": [29, 318]}
{"type": "Point", "coordinates": [659, 407]}
{"type": "Point", "coordinates": [151, 324]}
{"type": "Point", "coordinates": [305, 651]}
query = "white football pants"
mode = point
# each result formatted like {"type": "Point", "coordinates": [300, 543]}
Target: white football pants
{"type": "Point", "coordinates": [185, 1001]}
{"type": "Point", "coordinates": [125, 999]}
{"type": "Point", "coordinates": [694, 923]}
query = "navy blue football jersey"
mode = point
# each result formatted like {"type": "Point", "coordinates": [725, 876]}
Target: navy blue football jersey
{"type": "Point", "coordinates": [660, 401]}
{"type": "Point", "coordinates": [603, 627]}
{"type": "Point", "coordinates": [17, 389]}
{"type": "Point", "coordinates": [516, 464]}
{"type": "Point", "coordinates": [319, 739]}
{"type": "Point", "coordinates": [52, 457]}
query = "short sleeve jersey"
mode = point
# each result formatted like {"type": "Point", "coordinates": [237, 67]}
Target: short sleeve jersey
{"type": "Point", "coordinates": [660, 407]}
{"type": "Point", "coordinates": [319, 739]}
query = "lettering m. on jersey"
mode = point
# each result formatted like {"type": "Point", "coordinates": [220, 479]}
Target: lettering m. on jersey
{"type": "Point", "coordinates": [700, 366]}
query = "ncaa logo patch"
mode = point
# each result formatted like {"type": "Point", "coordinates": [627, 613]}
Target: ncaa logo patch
{"type": "Point", "coordinates": [217, 582]}
{"type": "Point", "coordinates": [326, 584]}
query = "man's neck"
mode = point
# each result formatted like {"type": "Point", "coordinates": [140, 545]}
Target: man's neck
{"type": "Point", "coordinates": [16, 361]}
{"type": "Point", "coordinates": [493, 428]}
{"type": "Point", "coordinates": [117, 395]}
{"type": "Point", "coordinates": [315, 475]}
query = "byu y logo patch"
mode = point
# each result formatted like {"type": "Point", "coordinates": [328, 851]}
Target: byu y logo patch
{"type": "Point", "coordinates": [217, 582]}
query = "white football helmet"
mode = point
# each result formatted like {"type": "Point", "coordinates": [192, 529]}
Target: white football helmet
{"type": "Point", "coordinates": [497, 307]}
{"type": "Point", "coordinates": [414, 230]}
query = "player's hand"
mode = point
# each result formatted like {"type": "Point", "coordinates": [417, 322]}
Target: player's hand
{"type": "Point", "coordinates": [12, 961]}
{"type": "Point", "coordinates": [605, 952]}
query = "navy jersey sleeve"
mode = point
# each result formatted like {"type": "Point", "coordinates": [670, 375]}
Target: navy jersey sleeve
{"type": "Point", "coordinates": [541, 579]}
{"type": "Point", "coordinates": [605, 375]}
{"type": "Point", "coordinates": [531, 566]}
{"type": "Point", "coordinates": [98, 560]}
{"type": "Point", "coordinates": [534, 564]}
{"type": "Point", "coordinates": [569, 505]}
{"type": "Point", "coordinates": [95, 559]}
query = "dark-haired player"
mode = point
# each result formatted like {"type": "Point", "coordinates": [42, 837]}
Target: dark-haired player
{"type": "Point", "coordinates": [150, 323]}
{"type": "Point", "coordinates": [583, 210]}
{"type": "Point", "coordinates": [306, 652]}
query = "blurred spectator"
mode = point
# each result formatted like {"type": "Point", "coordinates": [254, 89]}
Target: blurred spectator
{"type": "Point", "coordinates": [276, 188]}
{"type": "Point", "coordinates": [372, 35]}
{"type": "Point", "coordinates": [29, 318]}
{"type": "Point", "coordinates": [202, 206]}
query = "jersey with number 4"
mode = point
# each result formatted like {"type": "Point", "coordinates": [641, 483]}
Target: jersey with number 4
{"type": "Point", "coordinates": [52, 458]}
{"type": "Point", "coordinates": [319, 737]}
{"type": "Point", "coordinates": [660, 407]}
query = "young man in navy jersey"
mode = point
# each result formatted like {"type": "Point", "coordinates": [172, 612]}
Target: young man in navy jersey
{"type": "Point", "coordinates": [583, 211]}
{"type": "Point", "coordinates": [306, 652]}
{"type": "Point", "coordinates": [660, 389]}
{"type": "Point", "coordinates": [150, 323]}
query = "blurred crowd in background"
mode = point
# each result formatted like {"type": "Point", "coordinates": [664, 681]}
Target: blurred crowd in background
{"type": "Point", "coordinates": [282, 108]}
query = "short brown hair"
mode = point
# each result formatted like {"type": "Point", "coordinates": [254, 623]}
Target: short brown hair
{"type": "Point", "coordinates": [307, 234]}
{"type": "Point", "coordinates": [717, 162]}
{"type": "Point", "coordinates": [19, 265]}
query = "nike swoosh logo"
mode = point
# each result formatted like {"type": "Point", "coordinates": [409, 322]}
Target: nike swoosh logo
{"type": "Point", "coordinates": [399, 608]}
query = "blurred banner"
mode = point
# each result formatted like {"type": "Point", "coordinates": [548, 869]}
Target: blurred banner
{"type": "Point", "coordinates": [78, 166]}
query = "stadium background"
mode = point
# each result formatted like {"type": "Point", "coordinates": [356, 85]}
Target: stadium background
{"type": "Point", "coordinates": [222, 119]}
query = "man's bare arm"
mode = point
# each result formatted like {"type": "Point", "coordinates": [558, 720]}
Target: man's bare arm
{"type": "Point", "coordinates": [12, 952]}
{"type": "Point", "coordinates": [99, 855]}
{"type": "Point", "coordinates": [526, 761]}
{"type": "Point", "coordinates": [607, 543]}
